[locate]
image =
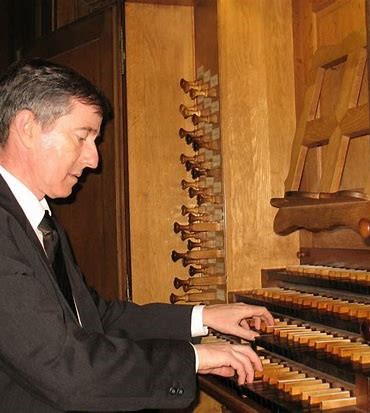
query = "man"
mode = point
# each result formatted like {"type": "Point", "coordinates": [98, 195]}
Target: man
{"type": "Point", "coordinates": [62, 347]}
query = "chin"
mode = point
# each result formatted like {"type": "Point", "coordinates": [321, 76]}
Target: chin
{"type": "Point", "coordinates": [60, 194]}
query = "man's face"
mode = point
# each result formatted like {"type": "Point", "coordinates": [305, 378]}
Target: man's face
{"type": "Point", "coordinates": [63, 150]}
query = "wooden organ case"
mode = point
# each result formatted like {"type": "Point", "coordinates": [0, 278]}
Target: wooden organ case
{"type": "Point", "coordinates": [317, 356]}
{"type": "Point", "coordinates": [250, 69]}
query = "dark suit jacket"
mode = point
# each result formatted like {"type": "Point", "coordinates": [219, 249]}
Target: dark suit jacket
{"type": "Point", "coordinates": [125, 357]}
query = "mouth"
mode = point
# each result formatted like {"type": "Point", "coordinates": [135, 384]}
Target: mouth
{"type": "Point", "coordinates": [76, 175]}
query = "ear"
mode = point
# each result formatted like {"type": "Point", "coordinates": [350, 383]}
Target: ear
{"type": "Point", "coordinates": [25, 127]}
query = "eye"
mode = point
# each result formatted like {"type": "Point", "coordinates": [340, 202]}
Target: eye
{"type": "Point", "coordinates": [81, 137]}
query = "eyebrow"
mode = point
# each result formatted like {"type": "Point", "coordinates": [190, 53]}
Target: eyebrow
{"type": "Point", "coordinates": [87, 129]}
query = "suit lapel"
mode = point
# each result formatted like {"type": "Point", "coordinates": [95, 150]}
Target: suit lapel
{"type": "Point", "coordinates": [10, 204]}
{"type": "Point", "coordinates": [85, 304]}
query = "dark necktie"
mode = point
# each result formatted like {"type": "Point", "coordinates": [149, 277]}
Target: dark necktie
{"type": "Point", "coordinates": [54, 252]}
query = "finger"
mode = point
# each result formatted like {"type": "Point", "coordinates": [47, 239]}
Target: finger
{"type": "Point", "coordinates": [251, 354]}
{"type": "Point", "coordinates": [257, 323]}
{"type": "Point", "coordinates": [244, 324]}
{"type": "Point", "coordinates": [249, 335]}
{"type": "Point", "coordinates": [240, 363]}
{"type": "Point", "coordinates": [248, 370]}
{"type": "Point", "coordinates": [267, 316]}
{"type": "Point", "coordinates": [223, 371]}
{"type": "Point", "coordinates": [254, 359]}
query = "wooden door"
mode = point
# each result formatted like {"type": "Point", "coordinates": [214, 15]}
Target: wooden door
{"type": "Point", "coordinates": [95, 215]}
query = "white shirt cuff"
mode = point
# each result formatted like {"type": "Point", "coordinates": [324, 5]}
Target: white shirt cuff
{"type": "Point", "coordinates": [196, 358]}
{"type": "Point", "coordinates": [197, 327]}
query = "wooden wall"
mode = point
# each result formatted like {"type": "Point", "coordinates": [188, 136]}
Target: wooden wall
{"type": "Point", "coordinates": [159, 50]}
{"type": "Point", "coordinates": [258, 122]}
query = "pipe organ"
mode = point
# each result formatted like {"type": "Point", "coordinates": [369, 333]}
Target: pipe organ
{"type": "Point", "coordinates": [317, 355]}
{"type": "Point", "coordinates": [257, 92]}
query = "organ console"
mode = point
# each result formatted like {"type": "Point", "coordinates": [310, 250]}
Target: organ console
{"type": "Point", "coordinates": [317, 355]}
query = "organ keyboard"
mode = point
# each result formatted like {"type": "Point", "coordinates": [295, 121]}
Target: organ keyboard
{"type": "Point", "coordinates": [317, 355]}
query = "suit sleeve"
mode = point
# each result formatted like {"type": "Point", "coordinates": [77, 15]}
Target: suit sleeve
{"type": "Point", "coordinates": [69, 368]}
{"type": "Point", "coordinates": [157, 320]}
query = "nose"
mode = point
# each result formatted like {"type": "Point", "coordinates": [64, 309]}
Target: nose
{"type": "Point", "coordinates": [90, 156]}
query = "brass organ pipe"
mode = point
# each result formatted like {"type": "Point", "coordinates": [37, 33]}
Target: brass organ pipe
{"type": "Point", "coordinates": [188, 112]}
{"type": "Point", "coordinates": [208, 269]}
{"type": "Point", "coordinates": [183, 133]}
{"type": "Point", "coordinates": [199, 281]}
{"type": "Point", "coordinates": [212, 199]}
{"type": "Point", "coordinates": [196, 119]}
{"type": "Point", "coordinates": [194, 93]}
{"type": "Point", "coordinates": [193, 261]}
{"type": "Point", "coordinates": [196, 158]}
{"type": "Point", "coordinates": [193, 235]}
{"type": "Point", "coordinates": [191, 165]}
{"type": "Point", "coordinates": [194, 184]}
{"type": "Point", "coordinates": [193, 210]}
{"type": "Point", "coordinates": [193, 192]}
{"type": "Point", "coordinates": [187, 85]}
{"type": "Point", "coordinates": [214, 145]}
{"type": "Point", "coordinates": [211, 173]}
{"type": "Point", "coordinates": [194, 297]}
{"type": "Point", "coordinates": [192, 218]}
{"type": "Point", "coordinates": [197, 254]}
{"type": "Point", "coordinates": [201, 244]}
{"type": "Point", "coordinates": [197, 227]}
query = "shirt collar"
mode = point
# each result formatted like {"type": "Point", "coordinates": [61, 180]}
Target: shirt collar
{"type": "Point", "coordinates": [32, 207]}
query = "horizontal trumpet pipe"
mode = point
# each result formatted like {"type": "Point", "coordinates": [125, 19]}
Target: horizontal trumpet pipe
{"type": "Point", "coordinates": [183, 133]}
{"type": "Point", "coordinates": [197, 227]}
{"type": "Point", "coordinates": [193, 210]}
{"type": "Point", "coordinates": [187, 85]}
{"type": "Point", "coordinates": [210, 173]}
{"type": "Point", "coordinates": [197, 254]}
{"type": "Point", "coordinates": [194, 184]}
{"type": "Point", "coordinates": [193, 192]}
{"type": "Point", "coordinates": [212, 145]}
{"type": "Point", "coordinates": [194, 93]}
{"type": "Point", "coordinates": [201, 244]}
{"type": "Point", "coordinates": [196, 158]}
{"type": "Point", "coordinates": [194, 297]}
{"type": "Point", "coordinates": [202, 269]}
{"type": "Point", "coordinates": [211, 199]}
{"type": "Point", "coordinates": [191, 165]}
{"type": "Point", "coordinates": [188, 112]}
{"type": "Point", "coordinates": [197, 118]}
{"type": "Point", "coordinates": [192, 218]}
{"type": "Point", "coordinates": [199, 282]}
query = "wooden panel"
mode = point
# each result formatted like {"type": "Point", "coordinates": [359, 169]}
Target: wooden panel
{"type": "Point", "coordinates": [159, 51]}
{"type": "Point", "coordinates": [336, 21]}
{"type": "Point", "coordinates": [257, 126]}
{"type": "Point", "coordinates": [206, 35]}
{"type": "Point", "coordinates": [94, 217]}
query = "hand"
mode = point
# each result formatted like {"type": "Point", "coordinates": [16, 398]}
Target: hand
{"type": "Point", "coordinates": [225, 359]}
{"type": "Point", "coordinates": [232, 319]}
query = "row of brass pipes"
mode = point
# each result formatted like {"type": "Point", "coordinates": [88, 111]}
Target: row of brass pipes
{"type": "Point", "coordinates": [204, 229]}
